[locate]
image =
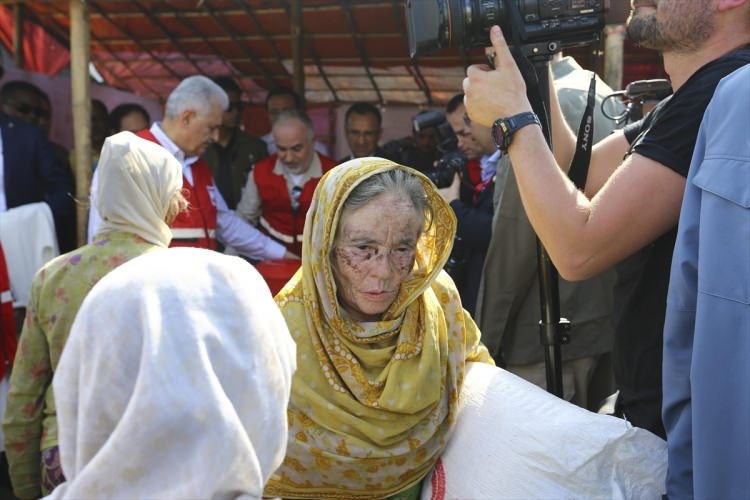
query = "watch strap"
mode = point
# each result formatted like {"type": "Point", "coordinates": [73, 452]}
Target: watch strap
{"type": "Point", "coordinates": [504, 128]}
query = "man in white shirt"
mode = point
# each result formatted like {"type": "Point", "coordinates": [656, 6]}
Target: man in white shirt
{"type": "Point", "coordinates": [192, 117]}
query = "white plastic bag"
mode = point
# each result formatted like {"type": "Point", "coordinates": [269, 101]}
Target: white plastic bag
{"type": "Point", "coordinates": [514, 440]}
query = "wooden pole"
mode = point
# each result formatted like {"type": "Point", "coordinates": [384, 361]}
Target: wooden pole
{"type": "Point", "coordinates": [18, 18]}
{"type": "Point", "coordinates": [81, 105]}
{"type": "Point", "coordinates": [614, 46]}
{"type": "Point", "coordinates": [298, 50]}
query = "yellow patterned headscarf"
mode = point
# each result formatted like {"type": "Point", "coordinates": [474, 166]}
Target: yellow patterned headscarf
{"type": "Point", "coordinates": [372, 404]}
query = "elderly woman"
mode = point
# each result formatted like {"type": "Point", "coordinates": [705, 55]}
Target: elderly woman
{"type": "Point", "coordinates": [186, 394]}
{"type": "Point", "coordinates": [138, 194]}
{"type": "Point", "coordinates": [382, 339]}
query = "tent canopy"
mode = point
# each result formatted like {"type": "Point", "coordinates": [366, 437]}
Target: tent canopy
{"type": "Point", "coordinates": [352, 49]}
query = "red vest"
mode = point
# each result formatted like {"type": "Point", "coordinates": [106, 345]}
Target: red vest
{"type": "Point", "coordinates": [8, 342]}
{"type": "Point", "coordinates": [196, 226]}
{"type": "Point", "coordinates": [279, 220]}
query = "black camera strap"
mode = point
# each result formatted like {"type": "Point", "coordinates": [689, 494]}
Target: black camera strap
{"type": "Point", "coordinates": [579, 167]}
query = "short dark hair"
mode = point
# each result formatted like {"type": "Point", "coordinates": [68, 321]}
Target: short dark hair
{"type": "Point", "coordinates": [96, 103]}
{"type": "Point", "coordinates": [122, 110]}
{"type": "Point", "coordinates": [284, 91]}
{"type": "Point", "coordinates": [13, 87]}
{"type": "Point", "coordinates": [456, 101]}
{"type": "Point", "coordinates": [43, 96]}
{"type": "Point", "coordinates": [363, 108]}
{"type": "Point", "coordinates": [227, 83]}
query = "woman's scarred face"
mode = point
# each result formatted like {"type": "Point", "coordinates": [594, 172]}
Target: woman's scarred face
{"type": "Point", "coordinates": [374, 253]}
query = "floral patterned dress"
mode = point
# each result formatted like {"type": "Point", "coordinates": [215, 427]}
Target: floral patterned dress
{"type": "Point", "coordinates": [57, 292]}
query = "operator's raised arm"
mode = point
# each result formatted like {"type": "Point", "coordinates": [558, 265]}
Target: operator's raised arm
{"type": "Point", "coordinates": [583, 236]}
{"type": "Point", "coordinates": [628, 206]}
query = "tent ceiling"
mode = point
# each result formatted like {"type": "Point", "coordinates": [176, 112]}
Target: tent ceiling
{"type": "Point", "coordinates": [353, 49]}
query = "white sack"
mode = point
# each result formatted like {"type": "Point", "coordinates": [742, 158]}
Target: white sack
{"type": "Point", "coordinates": [514, 440]}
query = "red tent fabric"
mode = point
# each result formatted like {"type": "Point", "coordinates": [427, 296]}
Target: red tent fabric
{"type": "Point", "coordinates": [41, 52]}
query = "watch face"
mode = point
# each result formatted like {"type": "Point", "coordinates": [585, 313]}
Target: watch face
{"type": "Point", "coordinates": [499, 134]}
{"type": "Point", "coordinates": [504, 128]}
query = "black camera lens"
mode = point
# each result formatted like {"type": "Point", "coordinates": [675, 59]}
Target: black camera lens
{"type": "Point", "coordinates": [436, 24]}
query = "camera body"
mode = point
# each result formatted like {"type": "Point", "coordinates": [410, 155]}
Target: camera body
{"type": "Point", "coordinates": [435, 24]}
{"type": "Point", "coordinates": [451, 160]}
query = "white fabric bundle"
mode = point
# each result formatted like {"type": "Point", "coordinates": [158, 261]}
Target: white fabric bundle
{"type": "Point", "coordinates": [27, 234]}
{"type": "Point", "coordinates": [174, 382]}
{"type": "Point", "coordinates": [514, 440]}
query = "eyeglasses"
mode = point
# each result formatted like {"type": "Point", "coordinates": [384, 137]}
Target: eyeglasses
{"type": "Point", "coordinates": [237, 105]}
{"type": "Point", "coordinates": [28, 109]}
{"type": "Point", "coordinates": [296, 192]}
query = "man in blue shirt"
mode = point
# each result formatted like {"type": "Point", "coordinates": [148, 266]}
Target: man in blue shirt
{"type": "Point", "coordinates": [706, 368]}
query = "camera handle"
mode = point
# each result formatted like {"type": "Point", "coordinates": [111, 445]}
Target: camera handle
{"type": "Point", "coordinates": [533, 61]}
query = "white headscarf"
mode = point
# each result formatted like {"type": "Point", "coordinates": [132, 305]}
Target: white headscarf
{"type": "Point", "coordinates": [137, 180]}
{"type": "Point", "coordinates": [174, 382]}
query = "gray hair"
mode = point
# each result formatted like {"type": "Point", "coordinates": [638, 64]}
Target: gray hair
{"type": "Point", "coordinates": [198, 93]}
{"type": "Point", "coordinates": [295, 115]}
{"type": "Point", "coordinates": [395, 181]}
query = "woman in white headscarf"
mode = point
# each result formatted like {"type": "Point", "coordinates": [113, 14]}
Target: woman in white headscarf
{"type": "Point", "coordinates": [138, 194]}
{"type": "Point", "coordinates": [184, 393]}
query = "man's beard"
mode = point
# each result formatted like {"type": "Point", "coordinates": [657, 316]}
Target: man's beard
{"type": "Point", "coordinates": [685, 30]}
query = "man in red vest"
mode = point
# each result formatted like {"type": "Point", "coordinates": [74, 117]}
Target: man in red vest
{"type": "Point", "coordinates": [280, 188]}
{"type": "Point", "coordinates": [192, 117]}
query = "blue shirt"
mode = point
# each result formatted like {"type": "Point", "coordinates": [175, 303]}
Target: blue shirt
{"type": "Point", "coordinates": [706, 370]}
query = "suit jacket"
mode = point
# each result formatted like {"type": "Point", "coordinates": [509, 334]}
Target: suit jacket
{"type": "Point", "coordinates": [508, 309]}
{"type": "Point", "coordinates": [32, 173]}
{"type": "Point", "coordinates": [242, 152]}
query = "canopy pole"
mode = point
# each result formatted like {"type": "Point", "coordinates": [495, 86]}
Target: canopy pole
{"type": "Point", "coordinates": [298, 76]}
{"type": "Point", "coordinates": [81, 106]}
{"type": "Point", "coordinates": [18, 18]}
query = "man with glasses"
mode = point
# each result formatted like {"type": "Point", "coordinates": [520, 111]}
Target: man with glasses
{"type": "Point", "coordinates": [232, 156]}
{"type": "Point", "coordinates": [278, 193]}
{"type": "Point", "coordinates": [29, 169]}
{"type": "Point", "coordinates": [21, 100]}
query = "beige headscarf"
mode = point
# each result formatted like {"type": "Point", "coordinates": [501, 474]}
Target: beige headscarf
{"type": "Point", "coordinates": [373, 403]}
{"type": "Point", "coordinates": [137, 181]}
{"type": "Point", "coordinates": [174, 382]}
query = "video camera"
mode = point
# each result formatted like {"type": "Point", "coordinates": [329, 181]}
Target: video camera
{"type": "Point", "coordinates": [452, 160]}
{"type": "Point", "coordinates": [435, 24]}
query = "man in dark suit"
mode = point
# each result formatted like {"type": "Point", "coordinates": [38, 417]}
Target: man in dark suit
{"type": "Point", "coordinates": [363, 127]}
{"type": "Point", "coordinates": [31, 173]}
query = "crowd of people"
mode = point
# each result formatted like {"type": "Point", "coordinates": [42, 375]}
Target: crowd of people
{"type": "Point", "coordinates": [348, 383]}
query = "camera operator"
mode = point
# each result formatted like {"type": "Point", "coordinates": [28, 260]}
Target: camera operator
{"type": "Point", "coordinates": [627, 204]}
{"type": "Point", "coordinates": [418, 151]}
{"type": "Point", "coordinates": [473, 213]}
{"type": "Point", "coordinates": [508, 304]}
